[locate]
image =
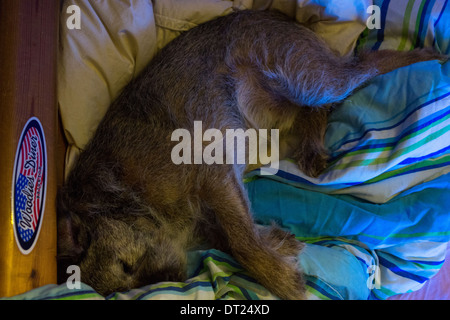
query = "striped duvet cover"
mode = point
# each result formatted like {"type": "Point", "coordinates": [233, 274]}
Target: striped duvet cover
{"type": "Point", "coordinates": [385, 197]}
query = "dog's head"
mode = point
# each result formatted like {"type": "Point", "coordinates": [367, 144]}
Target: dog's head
{"type": "Point", "coordinates": [114, 252]}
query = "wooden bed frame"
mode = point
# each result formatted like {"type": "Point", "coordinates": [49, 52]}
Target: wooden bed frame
{"type": "Point", "coordinates": [28, 60]}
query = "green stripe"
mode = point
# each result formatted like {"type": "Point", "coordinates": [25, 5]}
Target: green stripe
{"type": "Point", "coordinates": [316, 293]}
{"type": "Point", "coordinates": [235, 290]}
{"type": "Point", "coordinates": [250, 179]}
{"type": "Point", "coordinates": [421, 165]}
{"type": "Point", "coordinates": [396, 154]}
{"type": "Point", "coordinates": [406, 21]}
{"type": "Point", "coordinates": [312, 240]}
{"type": "Point", "coordinates": [334, 239]}
{"type": "Point", "coordinates": [329, 292]}
{"type": "Point", "coordinates": [385, 291]}
{"type": "Point", "coordinates": [81, 296]}
{"type": "Point", "coordinates": [407, 137]}
{"type": "Point", "coordinates": [152, 290]}
{"type": "Point", "coordinates": [363, 39]}
{"type": "Point", "coordinates": [410, 235]}
{"type": "Point", "coordinates": [427, 266]}
{"type": "Point", "coordinates": [219, 263]}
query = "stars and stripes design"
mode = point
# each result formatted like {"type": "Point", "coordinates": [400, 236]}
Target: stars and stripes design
{"type": "Point", "coordinates": [29, 184]}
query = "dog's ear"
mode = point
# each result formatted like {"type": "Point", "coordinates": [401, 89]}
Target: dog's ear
{"type": "Point", "coordinates": [72, 237]}
{"type": "Point", "coordinates": [69, 243]}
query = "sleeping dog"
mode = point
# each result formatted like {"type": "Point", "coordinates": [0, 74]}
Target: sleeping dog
{"type": "Point", "coordinates": [128, 212]}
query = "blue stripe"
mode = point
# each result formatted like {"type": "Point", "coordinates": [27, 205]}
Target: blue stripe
{"type": "Point", "coordinates": [380, 34]}
{"type": "Point", "coordinates": [429, 156]}
{"type": "Point", "coordinates": [390, 127]}
{"type": "Point", "coordinates": [246, 294]}
{"type": "Point", "coordinates": [195, 285]}
{"type": "Point", "coordinates": [442, 12]}
{"type": "Point", "coordinates": [400, 122]}
{"type": "Point", "coordinates": [414, 128]}
{"type": "Point", "coordinates": [190, 286]}
{"type": "Point", "coordinates": [292, 177]}
{"type": "Point", "coordinates": [373, 296]}
{"type": "Point", "coordinates": [425, 15]}
{"type": "Point", "coordinates": [226, 279]}
{"type": "Point", "coordinates": [439, 19]}
{"type": "Point", "coordinates": [430, 263]}
{"type": "Point", "coordinates": [318, 288]}
{"type": "Point", "coordinates": [397, 270]}
{"type": "Point", "coordinates": [218, 258]}
{"type": "Point", "coordinates": [362, 262]}
{"type": "Point", "coordinates": [221, 258]}
{"type": "Point", "coordinates": [246, 277]}
{"type": "Point", "coordinates": [70, 294]}
{"type": "Point", "coordinates": [415, 170]}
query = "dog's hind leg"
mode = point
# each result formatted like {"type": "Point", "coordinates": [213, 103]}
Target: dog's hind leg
{"type": "Point", "coordinates": [278, 76]}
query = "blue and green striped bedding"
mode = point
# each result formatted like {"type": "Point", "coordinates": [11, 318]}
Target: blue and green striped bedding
{"type": "Point", "coordinates": [377, 222]}
{"type": "Point", "coordinates": [385, 197]}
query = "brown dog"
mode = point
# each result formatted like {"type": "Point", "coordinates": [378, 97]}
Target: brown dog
{"type": "Point", "coordinates": [128, 213]}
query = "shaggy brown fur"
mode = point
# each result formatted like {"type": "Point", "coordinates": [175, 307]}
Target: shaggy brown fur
{"type": "Point", "coordinates": [128, 214]}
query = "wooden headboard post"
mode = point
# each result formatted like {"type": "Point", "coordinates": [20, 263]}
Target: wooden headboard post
{"type": "Point", "coordinates": [28, 120]}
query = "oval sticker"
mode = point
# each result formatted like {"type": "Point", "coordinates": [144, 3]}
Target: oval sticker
{"type": "Point", "coordinates": [29, 185]}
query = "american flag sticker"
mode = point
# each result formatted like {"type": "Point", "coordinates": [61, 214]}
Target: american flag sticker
{"type": "Point", "coordinates": [29, 185]}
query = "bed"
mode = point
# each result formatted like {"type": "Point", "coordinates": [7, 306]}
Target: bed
{"type": "Point", "coordinates": [376, 223]}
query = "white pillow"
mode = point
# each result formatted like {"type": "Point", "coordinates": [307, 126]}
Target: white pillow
{"type": "Point", "coordinates": [116, 40]}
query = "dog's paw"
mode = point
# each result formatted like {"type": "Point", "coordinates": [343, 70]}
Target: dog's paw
{"type": "Point", "coordinates": [281, 241]}
{"type": "Point", "coordinates": [427, 54]}
{"type": "Point", "coordinates": [312, 164]}
{"type": "Point", "coordinates": [387, 60]}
